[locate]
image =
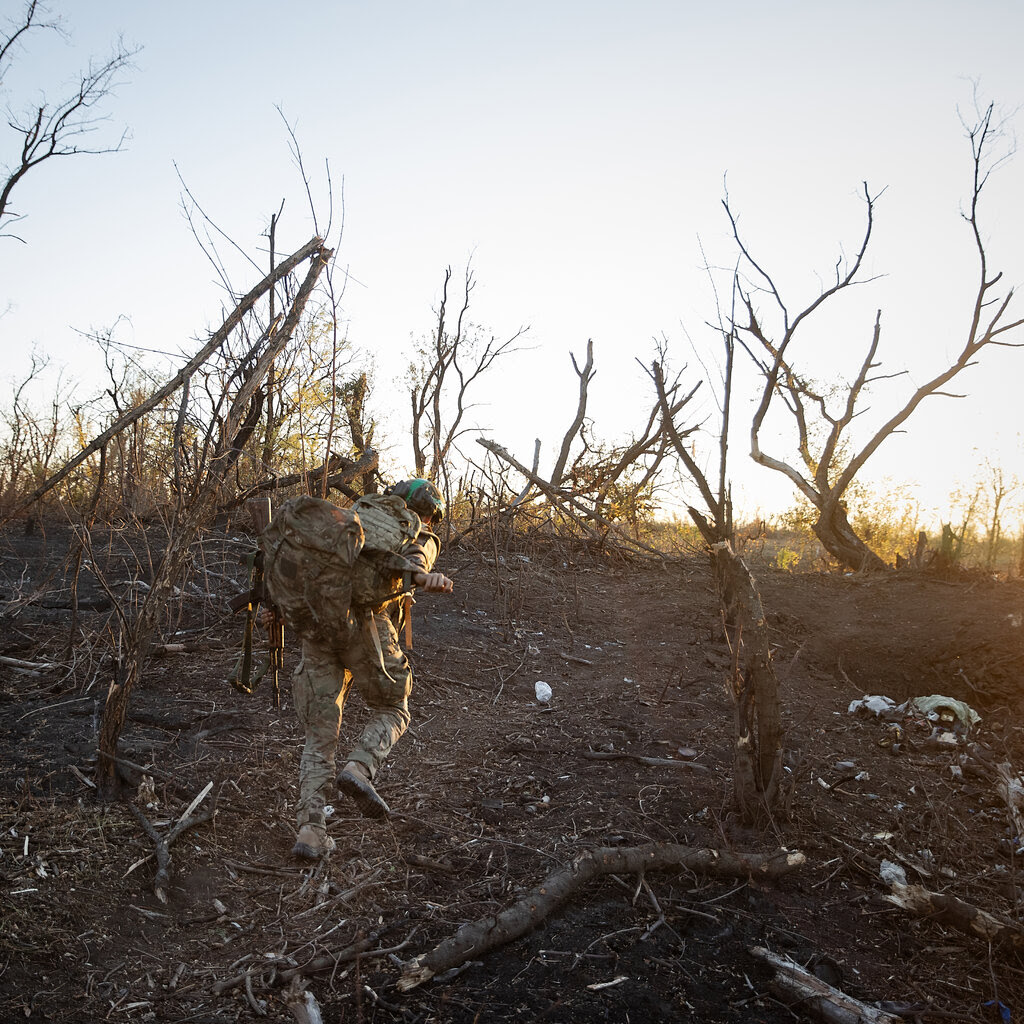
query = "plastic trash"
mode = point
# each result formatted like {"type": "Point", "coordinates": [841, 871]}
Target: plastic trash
{"type": "Point", "coordinates": [875, 704]}
{"type": "Point", "coordinates": [892, 874]}
{"type": "Point", "coordinates": [947, 712]}
{"type": "Point", "coordinates": [543, 691]}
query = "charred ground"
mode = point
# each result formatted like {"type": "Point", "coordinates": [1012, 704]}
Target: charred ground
{"type": "Point", "coordinates": [492, 791]}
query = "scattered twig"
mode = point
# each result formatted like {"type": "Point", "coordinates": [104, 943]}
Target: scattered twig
{"type": "Point", "coordinates": [357, 949]}
{"type": "Point", "coordinates": [163, 843]}
{"type": "Point", "coordinates": [574, 659]}
{"type": "Point", "coordinates": [621, 755]}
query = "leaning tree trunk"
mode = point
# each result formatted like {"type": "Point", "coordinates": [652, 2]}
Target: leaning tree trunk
{"type": "Point", "coordinates": [238, 426]}
{"type": "Point", "coordinates": [840, 540]}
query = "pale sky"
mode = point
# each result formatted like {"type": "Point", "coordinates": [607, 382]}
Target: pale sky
{"type": "Point", "coordinates": [578, 151]}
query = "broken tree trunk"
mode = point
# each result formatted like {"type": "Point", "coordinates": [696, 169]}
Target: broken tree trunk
{"type": "Point", "coordinates": [302, 1003]}
{"type": "Point", "coordinates": [816, 998]}
{"type": "Point", "coordinates": [479, 937]}
{"type": "Point", "coordinates": [757, 751]}
{"type": "Point", "coordinates": [838, 537]}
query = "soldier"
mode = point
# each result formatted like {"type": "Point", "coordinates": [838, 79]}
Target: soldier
{"type": "Point", "coordinates": [364, 650]}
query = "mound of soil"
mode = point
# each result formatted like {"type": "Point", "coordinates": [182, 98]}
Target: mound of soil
{"type": "Point", "coordinates": [492, 791]}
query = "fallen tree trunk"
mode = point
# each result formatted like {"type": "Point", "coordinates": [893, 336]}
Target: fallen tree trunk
{"type": "Point", "coordinates": [478, 937]}
{"type": "Point", "coordinates": [817, 998]}
{"type": "Point", "coordinates": [955, 913]}
{"type": "Point", "coordinates": [568, 504]}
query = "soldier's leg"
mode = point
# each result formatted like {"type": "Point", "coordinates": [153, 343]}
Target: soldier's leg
{"type": "Point", "coordinates": [319, 688]}
{"type": "Point", "coordinates": [385, 689]}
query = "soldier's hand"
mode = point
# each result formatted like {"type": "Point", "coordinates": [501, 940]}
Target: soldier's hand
{"type": "Point", "coordinates": [267, 617]}
{"type": "Point", "coordinates": [433, 582]}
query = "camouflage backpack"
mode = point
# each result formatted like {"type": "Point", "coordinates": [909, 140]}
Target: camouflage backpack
{"type": "Point", "coordinates": [320, 560]}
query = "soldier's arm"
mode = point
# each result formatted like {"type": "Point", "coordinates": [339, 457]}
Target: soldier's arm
{"type": "Point", "coordinates": [433, 582]}
{"type": "Point", "coordinates": [423, 554]}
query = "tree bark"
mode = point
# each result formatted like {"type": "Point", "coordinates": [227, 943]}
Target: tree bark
{"type": "Point", "coordinates": [837, 536]}
{"type": "Point", "coordinates": [757, 752]}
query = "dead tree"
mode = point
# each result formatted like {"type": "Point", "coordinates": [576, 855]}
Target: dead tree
{"type": "Point", "coordinates": [716, 524]}
{"type": "Point", "coordinates": [586, 375]}
{"type": "Point", "coordinates": [449, 364]}
{"type": "Point", "coordinates": [234, 431]}
{"type": "Point", "coordinates": [65, 127]}
{"type": "Point", "coordinates": [753, 687]}
{"type": "Point", "coordinates": [601, 476]}
{"type": "Point", "coordinates": [828, 462]}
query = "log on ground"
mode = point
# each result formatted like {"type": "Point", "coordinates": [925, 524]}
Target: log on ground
{"type": "Point", "coordinates": [816, 998]}
{"type": "Point", "coordinates": [478, 937]}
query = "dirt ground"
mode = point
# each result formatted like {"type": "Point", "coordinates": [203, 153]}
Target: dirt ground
{"type": "Point", "coordinates": [491, 791]}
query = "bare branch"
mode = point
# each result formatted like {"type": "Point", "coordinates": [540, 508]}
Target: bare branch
{"type": "Point", "coordinates": [64, 127]}
{"type": "Point", "coordinates": [586, 375]}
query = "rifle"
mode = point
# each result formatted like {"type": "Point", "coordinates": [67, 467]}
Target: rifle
{"type": "Point", "coordinates": [241, 677]}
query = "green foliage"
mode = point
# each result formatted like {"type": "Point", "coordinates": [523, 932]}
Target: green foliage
{"type": "Point", "coordinates": [787, 559]}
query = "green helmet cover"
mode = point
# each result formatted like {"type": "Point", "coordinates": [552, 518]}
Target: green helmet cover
{"type": "Point", "coordinates": [422, 496]}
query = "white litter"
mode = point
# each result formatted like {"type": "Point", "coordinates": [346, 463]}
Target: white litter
{"type": "Point", "coordinates": [892, 874]}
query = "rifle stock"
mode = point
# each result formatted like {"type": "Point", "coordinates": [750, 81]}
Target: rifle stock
{"type": "Point", "coordinates": [260, 515]}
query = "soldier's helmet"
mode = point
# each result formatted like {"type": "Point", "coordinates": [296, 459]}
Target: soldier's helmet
{"type": "Point", "coordinates": [421, 496]}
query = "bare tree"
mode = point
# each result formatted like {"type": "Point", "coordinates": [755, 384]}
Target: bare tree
{"type": "Point", "coordinates": [828, 460]}
{"type": "Point", "coordinates": [69, 126]}
{"type": "Point", "coordinates": [453, 359]}
{"type": "Point", "coordinates": [753, 685]}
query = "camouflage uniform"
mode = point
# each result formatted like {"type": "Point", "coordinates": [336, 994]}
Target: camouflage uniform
{"type": "Point", "coordinates": [324, 677]}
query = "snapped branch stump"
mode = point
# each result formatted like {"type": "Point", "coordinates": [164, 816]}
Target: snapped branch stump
{"type": "Point", "coordinates": [757, 752]}
{"type": "Point", "coordinates": [162, 879]}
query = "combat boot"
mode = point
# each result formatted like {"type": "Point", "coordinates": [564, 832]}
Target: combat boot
{"type": "Point", "coordinates": [354, 782]}
{"type": "Point", "coordinates": [312, 842]}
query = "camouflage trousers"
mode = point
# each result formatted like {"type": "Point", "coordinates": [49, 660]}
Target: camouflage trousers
{"type": "Point", "coordinates": [320, 686]}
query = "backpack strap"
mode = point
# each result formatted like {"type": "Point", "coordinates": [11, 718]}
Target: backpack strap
{"type": "Point", "coordinates": [371, 634]}
{"type": "Point", "coordinates": [407, 615]}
